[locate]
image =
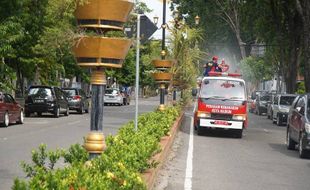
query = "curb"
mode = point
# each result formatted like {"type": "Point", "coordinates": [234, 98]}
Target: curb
{"type": "Point", "coordinates": [166, 142]}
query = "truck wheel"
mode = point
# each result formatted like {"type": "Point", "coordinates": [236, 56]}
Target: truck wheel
{"type": "Point", "coordinates": [199, 131]}
{"type": "Point", "coordinates": [290, 144]}
{"type": "Point", "coordinates": [238, 133]}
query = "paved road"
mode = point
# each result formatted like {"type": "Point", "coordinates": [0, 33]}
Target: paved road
{"type": "Point", "coordinates": [17, 141]}
{"type": "Point", "coordinates": [258, 161]}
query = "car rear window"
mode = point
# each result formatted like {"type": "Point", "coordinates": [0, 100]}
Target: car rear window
{"type": "Point", "coordinates": [111, 91]}
{"type": "Point", "coordinates": [70, 92]}
{"type": "Point", "coordinates": [287, 100]}
{"type": "Point", "coordinates": [40, 92]}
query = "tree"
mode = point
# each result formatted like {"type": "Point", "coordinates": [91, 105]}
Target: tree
{"type": "Point", "coordinates": [185, 51]}
{"type": "Point", "coordinates": [303, 7]}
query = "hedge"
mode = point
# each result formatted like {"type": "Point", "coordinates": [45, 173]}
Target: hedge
{"type": "Point", "coordinates": [119, 167]}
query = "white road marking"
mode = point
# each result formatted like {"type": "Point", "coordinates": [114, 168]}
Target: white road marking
{"type": "Point", "coordinates": [190, 153]}
{"type": "Point", "coordinates": [266, 131]}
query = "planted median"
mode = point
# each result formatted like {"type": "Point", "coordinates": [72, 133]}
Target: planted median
{"type": "Point", "coordinates": [127, 156]}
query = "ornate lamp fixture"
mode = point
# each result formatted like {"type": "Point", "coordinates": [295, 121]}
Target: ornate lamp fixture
{"type": "Point", "coordinates": [163, 76]}
{"type": "Point", "coordinates": [98, 52]}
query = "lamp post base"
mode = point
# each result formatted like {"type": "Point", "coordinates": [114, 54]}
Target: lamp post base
{"type": "Point", "coordinates": [161, 107]}
{"type": "Point", "coordinates": [94, 144]}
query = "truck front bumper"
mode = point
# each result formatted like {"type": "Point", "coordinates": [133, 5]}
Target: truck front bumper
{"type": "Point", "coordinates": [209, 123]}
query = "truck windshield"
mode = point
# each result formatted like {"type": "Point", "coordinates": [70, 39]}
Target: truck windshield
{"type": "Point", "coordinates": [223, 89]}
{"type": "Point", "coordinates": [287, 100]}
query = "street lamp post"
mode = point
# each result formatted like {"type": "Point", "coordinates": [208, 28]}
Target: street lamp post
{"type": "Point", "coordinates": [162, 86]}
{"type": "Point", "coordinates": [100, 52]}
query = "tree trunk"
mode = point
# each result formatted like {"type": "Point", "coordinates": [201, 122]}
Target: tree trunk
{"type": "Point", "coordinates": [241, 45]}
{"type": "Point", "coordinates": [307, 44]}
{"type": "Point", "coordinates": [295, 33]}
{"type": "Point", "coordinates": [303, 7]}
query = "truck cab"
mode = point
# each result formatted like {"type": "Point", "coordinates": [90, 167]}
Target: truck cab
{"type": "Point", "coordinates": [221, 104]}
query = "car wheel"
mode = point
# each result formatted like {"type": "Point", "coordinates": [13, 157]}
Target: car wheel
{"type": "Point", "coordinates": [21, 117]}
{"type": "Point", "coordinates": [80, 111]}
{"type": "Point", "coordinates": [67, 112]}
{"type": "Point", "coordinates": [87, 110]}
{"type": "Point", "coordinates": [290, 144]}
{"type": "Point", "coordinates": [27, 114]}
{"type": "Point", "coordinates": [302, 152]}
{"type": "Point", "coordinates": [57, 112]}
{"type": "Point", "coordinates": [6, 121]}
{"type": "Point", "coordinates": [39, 114]}
{"type": "Point", "coordinates": [279, 121]}
{"type": "Point", "coordinates": [259, 112]}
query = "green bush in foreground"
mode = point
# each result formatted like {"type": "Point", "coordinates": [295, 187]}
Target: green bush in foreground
{"type": "Point", "coordinates": [119, 167]}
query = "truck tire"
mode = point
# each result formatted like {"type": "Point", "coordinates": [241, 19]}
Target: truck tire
{"type": "Point", "coordinates": [199, 131]}
{"type": "Point", "coordinates": [238, 133]}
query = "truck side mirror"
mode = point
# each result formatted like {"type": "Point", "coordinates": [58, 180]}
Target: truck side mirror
{"type": "Point", "coordinates": [194, 92]}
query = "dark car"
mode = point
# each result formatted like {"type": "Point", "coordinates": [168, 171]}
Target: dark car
{"type": "Point", "coordinates": [261, 103]}
{"type": "Point", "coordinates": [46, 99]}
{"type": "Point", "coordinates": [78, 100]}
{"type": "Point", "coordinates": [298, 128]}
{"type": "Point", "coordinates": [10, 110]}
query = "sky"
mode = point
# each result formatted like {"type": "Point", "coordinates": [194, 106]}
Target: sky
{"type": "Point", "coordinates": [157, 7]}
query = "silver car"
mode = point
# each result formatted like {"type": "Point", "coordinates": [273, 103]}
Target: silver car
{"type": "Point", "coordinates": [113, 96]}
{"type": "Point", "coordinates": [280, 108]}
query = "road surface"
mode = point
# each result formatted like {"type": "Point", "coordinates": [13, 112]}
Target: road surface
{"type": "Point", "coordinates": [17, 141]}
{"type": "Point", "coordinates": [258, 161]}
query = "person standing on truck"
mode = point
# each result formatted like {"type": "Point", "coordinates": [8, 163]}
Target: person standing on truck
{"type": "Point", "coordinates": [212, 66]}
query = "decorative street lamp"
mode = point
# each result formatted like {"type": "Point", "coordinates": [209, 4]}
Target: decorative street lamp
{"type": "Point", "coordinates": [162, 76]}
{"type": "Point", "coordinates": [99, 52]}
{"type": "Point", "coordinates": [197, 20]}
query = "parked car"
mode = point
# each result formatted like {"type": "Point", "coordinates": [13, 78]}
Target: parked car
{"type": "Point", "coordinates": [114, 96]}
{"type": "Point", "coordinates": [78, 100]}
{"type": "Point", "coordinates": [270, 106]}
{"type": "Point", "coordinates": [281, 107]}
{"type": "Point", "coordinates": [298, 128]}
{"type": "Point", "coordinates": [261, 103]}
{"type": "Point", "coordinates": [10, 110]}
{"type": "Point", "coordinates": [46, 99]}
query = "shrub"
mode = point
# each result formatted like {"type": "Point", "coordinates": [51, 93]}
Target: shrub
{"type": "Point", "coordinates": [119, 167]}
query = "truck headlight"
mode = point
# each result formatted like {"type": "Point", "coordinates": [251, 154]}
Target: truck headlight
{"type": "Point", "coordinates": [204, 114]}
{"type": "Point", "coordinates": [239, 117]}
{"type": "Point", "coordinates": [307, 127]}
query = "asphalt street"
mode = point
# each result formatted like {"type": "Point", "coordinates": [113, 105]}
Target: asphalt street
{"type": "Point", "coordinates": [258, 161]}
{"type": "Point", "coordinates": [17, 141]}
